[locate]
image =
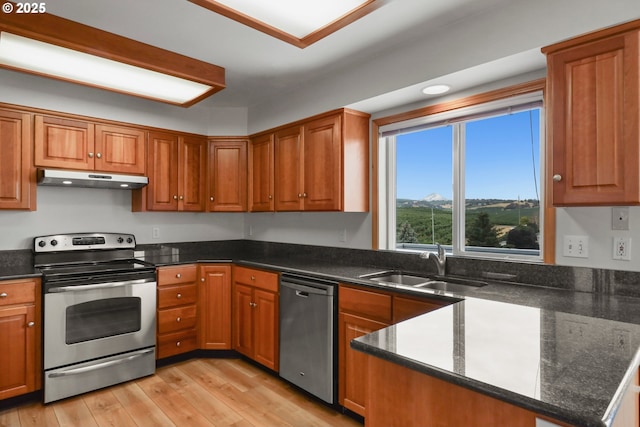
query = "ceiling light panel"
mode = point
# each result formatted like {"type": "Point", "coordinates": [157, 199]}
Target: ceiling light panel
{"type": "Point", "coordinates": [298, 18]}
{"type": "Point", "coordinates": [46, 59]}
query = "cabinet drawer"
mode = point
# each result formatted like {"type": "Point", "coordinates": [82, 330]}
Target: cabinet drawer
{"type": "Point", "coordinates": [176, 343]}
{"type": "Point", "coordinates": [17, 292]}
{"type": "Point", "coordinates": [175, 275]}
{"type": "Point", "coordinates": [172, 296]}
{"type": "Point", "coordinates": [175, 319]}
{"type": "Point", "coordinates": [256, 278]}
{"type": "Point", "coordinates": [372, 305]}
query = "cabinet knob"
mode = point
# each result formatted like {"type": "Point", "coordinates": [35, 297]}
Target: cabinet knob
{"type": "Point", "coordinates": [181, 197]}
{"type": "Point", "coordinates": [90, 155]}
{"type": "Point", "coordinates": [31, 324]}
{"type": "Point", "coordinates": [299, 195]}
{"type": "Point", "coordinates": [99, 155]}
{"type": "Point", "coordinates": [270, 197]}
{"type": "Point", "coordinates": [179, 319]}
{"type": "Point", "coordinates": [178, 275]}
{"type": "Point", "coordinates": [211, 198]}
{"type": "Point", "coordinates": [304, 195]}
{"type": "Point", "coordinates": [202, 279]}
{"type": "Point", "coordinates": [175, 197]}
{"type": "Point", "coordinates": [179, 296]}
{"type": "Point", "coordinates": [178, 344]}
{"type": "Point", "coordinates": [3, 295]}
{"type": "Point", "coordinates": [253, 277]}
{"type": "Point", "coordinates": [557, 178]}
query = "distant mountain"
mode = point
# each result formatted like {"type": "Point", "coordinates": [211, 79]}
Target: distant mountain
{"type": "Point", "coordinates": [433, 197]}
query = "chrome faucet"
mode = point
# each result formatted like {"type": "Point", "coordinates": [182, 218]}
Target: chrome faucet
{"type": "Point", "coordinates": [440, 259]}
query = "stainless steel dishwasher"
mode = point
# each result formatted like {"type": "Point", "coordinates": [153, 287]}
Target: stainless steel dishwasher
{"type": "Point", "coordinates": [307, 335]}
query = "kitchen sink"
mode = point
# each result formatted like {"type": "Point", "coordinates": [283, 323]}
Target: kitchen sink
{"type": "Point", "coordinates": [438, 283]}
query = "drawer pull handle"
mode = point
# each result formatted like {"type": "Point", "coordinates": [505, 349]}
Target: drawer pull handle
{"type": "Point", "coordinates": [31, 324]}
{"type": "Point", "coordinates": [179, 296]}
{"type": "Point", "coordinates": [178, 344]}
{"type": "Point", "coordinates": [3, 295]}
{"type": "Point", "coordinates": [253, 277]}
{"type": "Point", "coordinates": [202, 279]}
{"type": "Point", "coordinates": [178, 276]}
{"type": "Point", "coordinates": [179, 319]}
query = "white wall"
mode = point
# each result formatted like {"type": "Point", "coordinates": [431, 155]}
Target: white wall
{"type": "Point", "coordinates": [68, 210]}
{"type": "Point", "coordinates": [348, 230]}
{"type": "Point", "coordinates": [595, 222]}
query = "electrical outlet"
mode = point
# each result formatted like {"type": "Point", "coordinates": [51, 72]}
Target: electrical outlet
{"type": "Point", "coordinates": [155, 233]}
{"type": "Point", "coordinates": [576, 246]}
{"type": "Point", "coordinates": [620, 218]}
{"type": "Point", "coordinates": [622, 248]}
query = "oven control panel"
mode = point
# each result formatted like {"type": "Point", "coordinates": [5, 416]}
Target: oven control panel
{"type": "Point", "coordinates": [83, 241]}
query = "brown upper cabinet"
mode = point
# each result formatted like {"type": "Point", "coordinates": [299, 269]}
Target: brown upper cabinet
{"type": "Point", "coordinates": [261, 173]}
{"type": "Point", "coordinates": [227, 175]}
{"type": "Point", "coordinates": [177, 171]}
{"type": "Point", "coordinates": [17, 177]}
{"type": "Point", "coordinates": [592, 117]}
{"type": "Point", "coordinates": [74, 144]}
{"type": "Point", "coordinates": [320, 164]}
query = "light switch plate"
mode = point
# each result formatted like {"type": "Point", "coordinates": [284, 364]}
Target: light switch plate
{"type": "Point", "coordinates": [576, 246]}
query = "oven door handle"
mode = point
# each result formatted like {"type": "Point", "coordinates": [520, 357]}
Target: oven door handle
{"type": "Point", "coordinates": [96, 286]}
{"type": "Point", "coordinates": [102, 365]}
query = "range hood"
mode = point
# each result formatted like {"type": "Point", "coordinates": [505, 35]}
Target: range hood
{"type": "Point", "coordinates": [67, 178]}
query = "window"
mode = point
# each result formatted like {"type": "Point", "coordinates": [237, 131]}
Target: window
{"type": "Point", "coordinates": [468, 179]}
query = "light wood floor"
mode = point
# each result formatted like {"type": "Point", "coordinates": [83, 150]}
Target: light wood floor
{"type": "Point", "coordinates": [198, 392]}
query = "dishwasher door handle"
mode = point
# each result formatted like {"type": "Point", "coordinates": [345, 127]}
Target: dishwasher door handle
{"type": "Point", "coordinates": [306, 290]}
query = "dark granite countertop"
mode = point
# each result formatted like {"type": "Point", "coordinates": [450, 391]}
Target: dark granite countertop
{"type": "Point", "coordinates": [553, 349]}
{"type": "Point", "coordinates": [572, 368]}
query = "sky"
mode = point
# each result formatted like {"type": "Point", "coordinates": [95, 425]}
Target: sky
{"type": "Point", "coordinates": [499, 159]}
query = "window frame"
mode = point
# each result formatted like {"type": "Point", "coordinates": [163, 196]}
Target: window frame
{"type": "Point", "coordinates": [383, 212]}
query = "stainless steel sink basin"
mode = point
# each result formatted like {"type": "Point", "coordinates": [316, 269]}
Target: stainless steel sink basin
{"type": "Point", "coordinates": [398, 278]}
{"type": "Point", "coordinates": [438, 283]}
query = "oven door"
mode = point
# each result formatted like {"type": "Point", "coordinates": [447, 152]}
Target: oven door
{"type": "Point", "coordinates": [88, 322]}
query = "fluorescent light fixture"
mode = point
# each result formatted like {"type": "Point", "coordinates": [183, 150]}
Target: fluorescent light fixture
{"type": "Point", "coordinates": [25, 54]}
{"type": "Point", "coordinates": [298, 18]}
{"type": "Point", "coordinates": [298, 22]}
{"type": "Point", "coordinates": [435, 89]}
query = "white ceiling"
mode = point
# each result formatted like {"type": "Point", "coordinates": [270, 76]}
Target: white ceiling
{"type": "Point", "coordinates": [259, 68]}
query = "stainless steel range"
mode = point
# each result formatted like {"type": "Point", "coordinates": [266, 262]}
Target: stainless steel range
{"type": "Point", "coordinates": [99, 312]}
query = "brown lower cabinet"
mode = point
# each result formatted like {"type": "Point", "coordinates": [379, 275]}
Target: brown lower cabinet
{"type": "Point", "coordinates": [362, 311]}
{"type": "Point", "coordinates": [255, 325]}
{"type": "Point", "coordinates": [177, 310]}
{"type": "Point", "coordinates": [20, 337]}
{"type": "Point", "coordinates": [401, 397]}
{"type": "Point", "coordinates": [214, 307]}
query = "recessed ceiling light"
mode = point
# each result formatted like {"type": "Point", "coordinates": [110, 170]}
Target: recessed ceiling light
{"type": "Point", "coordinates": [435, 89]}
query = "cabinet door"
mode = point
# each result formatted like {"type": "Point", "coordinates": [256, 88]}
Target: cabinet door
{"type": "Point", "coordinates": [162, 191]}
{"type": "Point", "coordinates": [353, 364]}
{"type": "Point", "coordinates": [18, 339]}
{"type": "Point", "coordinates": [192, 166]}
{"type": "Point", "coordinates": [63, 143]}
{"type": "Point", "coordinates": [594, 124]}
{"type": "Point", "coordinates": [322, 157]}
{"type": "Point", "coordinates": [261, 164]}
{"type": "Point", "coordinates": [227, 176]}
{"type": "Point", "coordinates": [266, 327]}
{"type": "Point", "coordinates": [242, 326]}
{"type": "Point", "coordinates": [288, 170]}
{"type": "Point", "coordinates": [17, 181]}
{"type": "Point", "coordinates": [120, 149]}
{"type": "Point", "coordinates": [215, 307]}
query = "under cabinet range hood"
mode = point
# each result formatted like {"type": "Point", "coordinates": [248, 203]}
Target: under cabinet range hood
{"type": "Point", "coordinates": [67, 178]}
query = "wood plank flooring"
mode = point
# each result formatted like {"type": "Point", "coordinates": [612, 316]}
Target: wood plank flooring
{"type": "Point", "coordinates": [195, 393]}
